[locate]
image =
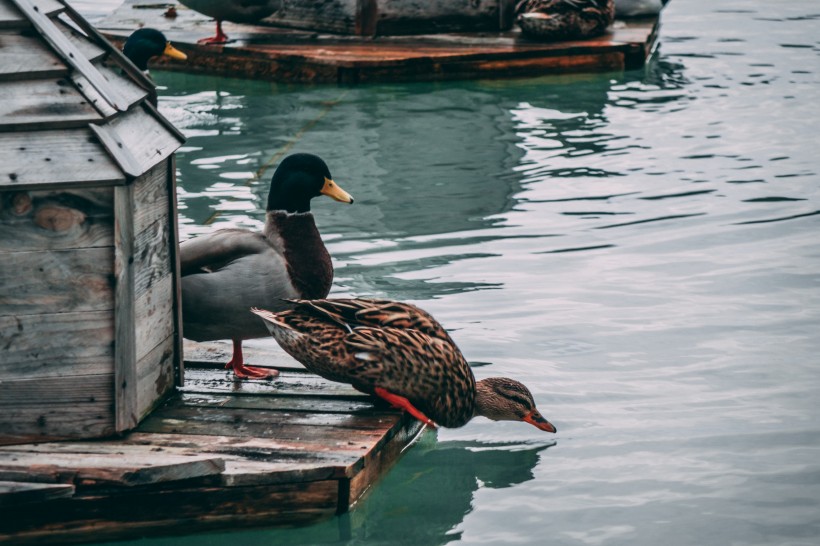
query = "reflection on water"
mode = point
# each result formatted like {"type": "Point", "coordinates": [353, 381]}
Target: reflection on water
{"type": "Point", "coordinates": [640, 249]}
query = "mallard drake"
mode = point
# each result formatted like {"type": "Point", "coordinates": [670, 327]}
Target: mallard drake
{"type": "Point", "coordinates": [146, 43]}
{"type": "Point", "coordinates": [564, 19]}
{"type": "Point", "coordinates": [238, 11]}
{"type": "Point", "coordinates": [400, 353]}
{"type": "Point", "coordinates": [226, 272]}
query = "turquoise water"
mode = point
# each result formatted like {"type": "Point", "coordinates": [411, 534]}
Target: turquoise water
{"type": "Point", "coordinates": [640, 248]}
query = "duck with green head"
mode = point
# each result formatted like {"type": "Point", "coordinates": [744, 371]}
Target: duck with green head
{"type": "Point", "coordinates": [228, 271]}
{"type": "Point", "coordinates": [145, 44]}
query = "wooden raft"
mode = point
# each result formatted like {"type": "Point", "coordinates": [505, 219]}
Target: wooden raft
{"type": "Point", "coordinates": [219, 454]}
{"type": "Point", "coordinates": [280, 54]}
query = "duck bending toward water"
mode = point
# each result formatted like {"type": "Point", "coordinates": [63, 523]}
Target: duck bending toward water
{"type": "Point", "coordinates": [226, 272]}
{"type": "Point", "coordinates": [400, 353]}
{"type": "Point", "coordinates": [146, 43]}
{"type": "Point", "coordinates": [564, 19]}
{"type": "Point", "coordinates": [238, 11]}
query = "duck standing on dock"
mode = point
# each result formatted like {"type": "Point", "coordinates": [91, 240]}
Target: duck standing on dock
{"type": "Point", "coordinates": [238, 11]}
{"type": "Point", "coordinates": [400, 353]}
{"type": "Point", "coordinates": [228, 271]}
{"type": "Point", "coordinates": [555, 20]}
{"type": "Point", "coordinates": [147, 43]}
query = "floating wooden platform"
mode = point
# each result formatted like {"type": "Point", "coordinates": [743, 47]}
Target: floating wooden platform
{"type": "Point", "coordinates": [279, 54]}
{"type": "Point", "coordinates": [219, 454]}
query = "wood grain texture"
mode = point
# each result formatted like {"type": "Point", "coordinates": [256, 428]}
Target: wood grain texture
{"type": "Point", "coordinates": [169, 511]}
{"type": "Point", "coordinates": [99, 464]}
{"type": "Point", "coordinates": [50, 103]}
{"type": "Point", "coordinates": [14, 493]}
{"type": "Point", "coordinates": [125, 349]}
{"type": "Point", "coordinates": [55, 159]}
{"type": "Point", "coordinates": [19, 211]}
{"type": "Point", "coordinates": [286, 384]}
{"type": "Point", "coordinates": [56, 407]}
{"type": "Point", "coordinates": [24, 56]}
{"type": "Point", "coordinates": [56, 345]}
{"type": "Point", "coordinates": [137, 140]}
{"type": "Point", "coordinates": [70, 281]}
{"type": "Point", "coordinates": [155, 376]}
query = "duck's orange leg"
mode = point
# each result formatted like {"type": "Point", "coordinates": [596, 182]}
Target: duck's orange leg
{"type": "Point", "coordinates": [237, 362]}
{"type": "Point", "coordinates": [401, 402]}
{"type": "Point", "coordinates": [220, 37]}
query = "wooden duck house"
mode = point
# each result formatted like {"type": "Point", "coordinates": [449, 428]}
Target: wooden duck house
{"type": "Point", "coordinates": [89, 304]}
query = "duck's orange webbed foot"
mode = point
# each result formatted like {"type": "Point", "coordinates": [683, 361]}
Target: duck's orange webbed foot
{"type": "Point", "coordinates": [237, 363]}
{"type": "Point", "coordinates": [403, 403]}
{"type": "Point", "coordinates": [220, 37]}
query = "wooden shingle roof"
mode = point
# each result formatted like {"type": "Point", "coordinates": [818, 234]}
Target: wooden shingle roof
{"type": "Point", "coordinates": [74, 111]}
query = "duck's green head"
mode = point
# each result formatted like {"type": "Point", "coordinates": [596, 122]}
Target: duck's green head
{"type": "Point", "coordinates": [298, 179]}
{"type": "Point", "coordinates": [146, 43]}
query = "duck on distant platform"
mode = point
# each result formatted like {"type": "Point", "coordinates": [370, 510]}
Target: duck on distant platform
{"type": "Point", "coordinates": [554, 20]}
{"type": "Point", "coordinates": [401, 354]}
{"type": "Point", "coordinates": [238, 11]}
{"type": "Point", "coordinates": [228, 271]}
{"type": "Point", "coordinates": [147, 43]}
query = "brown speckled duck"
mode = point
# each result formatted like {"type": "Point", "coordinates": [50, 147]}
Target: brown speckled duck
{"type": "Point", "coordinates": [226, 272]}
{"type": "Point", "coordinates": [564, 19]}
{"type": "Point", "coordinates": [400, 353]}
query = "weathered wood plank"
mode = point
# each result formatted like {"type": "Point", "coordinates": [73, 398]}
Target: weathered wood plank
{"type": "Point", "coordinates": [305, 427]}
{"type": "Point", "coordinates": [130, 92]}
{"type": "Point", "coordinates": [152, 262]}
{"type": "Point", "coordinates": [84, 45]}
{"type": "Point", "coordinates": [69, 53]}
{"type": "Point", "coordinates": [137, 140]}
{"type": "Point", "coordinates": [179, 353]}
{"type": "Point", "coordinates": [153, 316]}
{"type": "Point", "coordinates": [288, 403]}
{"type": "Point", "coordinates": [14, 493]}
{"type": "Point", "coordinates": [54, 159]}
{"type": "Point", "coordinates": [151, 199]}
{"type": "Point", "coordinates": [124, 465]}
{"type": "Point", "coordinates": [10, 16]}
{"type": "Point", "coordinates": [125, 349]}
{"type": "Point", "coordinates": [198, 380]}
{"type": "Point", "coordinates": [68, 281]}
{"type": "Point", "coordinates": [155, 376]}
{"type": "Point", "coordinates": [38, 220]}
{"type": "Point", "coordinates": [169, 512]}
{"type": "Point", "coordinates": [27, 57]}
{"type": "Point", "coordinates": [32, 104]}
{"type": "Point", "coordinates": [54, 346]}
{"type": "Point", "coordinates": [56, 407]}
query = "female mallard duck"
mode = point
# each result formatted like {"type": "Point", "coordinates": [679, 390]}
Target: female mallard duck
{"type": "Point", "coordinates": [564, 19]}
{"type": "Point", "coordinates": [238, 11]}
{"type": "Point", "coordinates": [146, 43]}
{"type": "Point", "coordinates": [397, 352]}
{"type": "Point", "coordinates": [226, 272]}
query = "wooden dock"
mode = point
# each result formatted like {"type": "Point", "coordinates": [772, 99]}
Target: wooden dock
{"type": "Point", "coordinates": [280, 54]}
{"type": "Point", "coordinates": [219, 454]}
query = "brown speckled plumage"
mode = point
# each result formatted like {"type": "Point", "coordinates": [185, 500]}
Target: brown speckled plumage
{"type": "Point", "coordinates": [564, 19]}
{"type": "Point", "coordinates": [383, 344]}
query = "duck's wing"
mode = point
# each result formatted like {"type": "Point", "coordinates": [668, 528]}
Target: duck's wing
{"type": "Point", "coordinates": [376, 313]}
{"type": "Point", "coordinates": [225, 273]}
{"type": "Point", "coordinates": [431, 373]}
{"type": "Point", "coordinates": [212, 252]}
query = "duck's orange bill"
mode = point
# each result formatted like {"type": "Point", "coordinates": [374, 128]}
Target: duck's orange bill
{"type": "Point", "coordinates": [332, 190]}
{"type": "Point", "coordinates": [173, 52]}
{"type": "Point", "coordinates": [537, 420]}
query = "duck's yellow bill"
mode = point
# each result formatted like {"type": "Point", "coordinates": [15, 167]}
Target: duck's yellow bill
{"type": "Point", "coordinates": [332, 190]}
{"type": "Point", "coordinates": [174, 53]}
